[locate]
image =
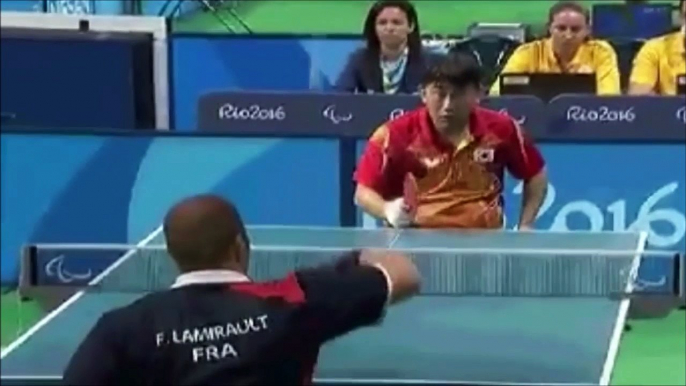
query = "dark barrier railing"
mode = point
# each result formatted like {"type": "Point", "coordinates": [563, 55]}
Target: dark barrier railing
{"type": "Point", "coordinates": [566, 118]}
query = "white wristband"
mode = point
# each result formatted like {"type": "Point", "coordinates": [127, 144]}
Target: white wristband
{"type": "Point", "coordinates": [389, 283]}
{"type": "Point", "coordinates": [396, 214]}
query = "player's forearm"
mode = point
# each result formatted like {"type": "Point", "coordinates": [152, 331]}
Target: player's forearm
{"type": "Point", "coordinates": [402, 276]}
{"type": "Point", "coordinates": [370, 201]}
{"type": "Point", "coordinates": [533, 195]}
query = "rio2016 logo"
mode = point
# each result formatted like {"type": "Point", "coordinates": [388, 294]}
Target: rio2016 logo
{"type": "Point", "coordinates": [649, 214]}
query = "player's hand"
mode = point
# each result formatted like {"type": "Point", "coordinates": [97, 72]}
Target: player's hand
{"type": "Point", "coordinates": [397, 213]}
{"type": "Point", "coordinates": [525, 228]}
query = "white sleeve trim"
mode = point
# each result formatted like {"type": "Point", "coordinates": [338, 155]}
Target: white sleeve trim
{"type": "Point", "coordinates": [389, 282]}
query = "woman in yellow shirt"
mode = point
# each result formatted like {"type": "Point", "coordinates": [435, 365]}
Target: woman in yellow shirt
{"type": "Point", "coordinates": [568, 49]}
{"type": "Point", "coordinates": [659, 62]}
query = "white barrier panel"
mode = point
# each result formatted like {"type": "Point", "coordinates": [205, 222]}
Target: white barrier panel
{"type": "Point", "coordinates": [157, 26]}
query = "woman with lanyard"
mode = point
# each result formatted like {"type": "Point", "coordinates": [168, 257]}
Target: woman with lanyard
{"type": "Point", "coordinates": [393, 60]}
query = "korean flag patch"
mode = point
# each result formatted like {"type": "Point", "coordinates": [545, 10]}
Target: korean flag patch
{"type": "Point", "coordinates": [484, 155]}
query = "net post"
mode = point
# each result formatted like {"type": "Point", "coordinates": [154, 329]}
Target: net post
{"type": "Point", "coordinates": [28, 274]}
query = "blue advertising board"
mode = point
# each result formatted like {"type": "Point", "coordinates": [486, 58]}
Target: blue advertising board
{"type": "Point", "coordinates": [618, 187]}
{"type": "Point", "coordinates": [115, 188]}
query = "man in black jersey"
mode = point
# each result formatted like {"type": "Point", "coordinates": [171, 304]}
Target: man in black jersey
{"type": "Point", "coordinates": [217, 327]}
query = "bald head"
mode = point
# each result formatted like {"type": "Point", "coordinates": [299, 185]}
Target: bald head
{"type": "Point", "coordinates": [205, 232]}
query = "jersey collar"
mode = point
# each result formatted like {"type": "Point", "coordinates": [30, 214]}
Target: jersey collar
{"type": "Point", "coordinates": [210, 277]}
{"type": "Point", "coordinates": [476, 129]}
{"type": "Point", "coordinates": [574, 65]}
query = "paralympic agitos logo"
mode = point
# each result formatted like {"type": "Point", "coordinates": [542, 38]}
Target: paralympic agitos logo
{"type": "Point", "coordinates": [55, 268]}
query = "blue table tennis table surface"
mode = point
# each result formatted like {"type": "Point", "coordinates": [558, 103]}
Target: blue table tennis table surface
{"type": "Point", "coordinates": [429, 339]}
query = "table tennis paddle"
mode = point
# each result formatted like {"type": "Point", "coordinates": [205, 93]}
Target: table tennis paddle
{"type": "Point", "coordinates": [410, 194]}
{"type": "Point", "coordinates": [399, 159]}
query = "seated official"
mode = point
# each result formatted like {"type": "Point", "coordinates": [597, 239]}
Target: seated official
{"type": "Point", "coordinates": [216, 326]}
{"type": "Point", "coordinates": [463, 150]}
{"type": "Point", "coordinates": [393, 60]}
{"type": "Point", "coordinates": [659, 62]}
{"type": "Point", "coordinates": [568, 50]}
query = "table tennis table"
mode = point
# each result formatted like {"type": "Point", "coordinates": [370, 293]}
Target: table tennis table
{"type": "Point", "coordinates": [429, 339]}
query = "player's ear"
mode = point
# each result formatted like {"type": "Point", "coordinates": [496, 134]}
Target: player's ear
{"type": "Point", "coordinates": [241, 252]}
{"type": "Point", "coordinates": [422, 92]}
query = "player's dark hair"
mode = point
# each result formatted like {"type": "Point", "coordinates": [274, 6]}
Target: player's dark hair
{"type": "Point", "coordinates": [414, 41]}
{"type": "Point", "coordinates": [202, 237]}
{"type": "Point", "coordinates": [456, 69]}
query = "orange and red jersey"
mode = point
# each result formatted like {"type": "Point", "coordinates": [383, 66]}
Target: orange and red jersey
{"type": "Point", "coordinates": [461, 185]}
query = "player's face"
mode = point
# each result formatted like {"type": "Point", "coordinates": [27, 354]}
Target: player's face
{"type": "Point", "coordinates": [448, 106]}
{"type": "Point", "coordinates": [568, 31]}
{"type": "Point", "coordinates": [392, 27]}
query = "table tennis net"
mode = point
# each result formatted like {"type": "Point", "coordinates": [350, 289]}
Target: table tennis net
{"type": "Point", "coordinates": [562, 273]}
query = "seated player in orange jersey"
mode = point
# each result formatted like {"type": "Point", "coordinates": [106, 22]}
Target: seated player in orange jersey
{"type": "Point", "coordinates": [457, 151]}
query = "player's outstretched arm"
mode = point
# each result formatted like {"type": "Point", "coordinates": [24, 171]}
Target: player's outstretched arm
{"type": "Point", "coordinates": [402, 276]}
{"type": "Point", "coordinates": [354, 292]}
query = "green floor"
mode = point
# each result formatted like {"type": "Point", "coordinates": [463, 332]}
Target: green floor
{"type": "Point", "coordinates": [15, 316]}
{"type": "Point", "coordinates": [653, 353]}
{"type": "Point", "coordinates": [309, 17]}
